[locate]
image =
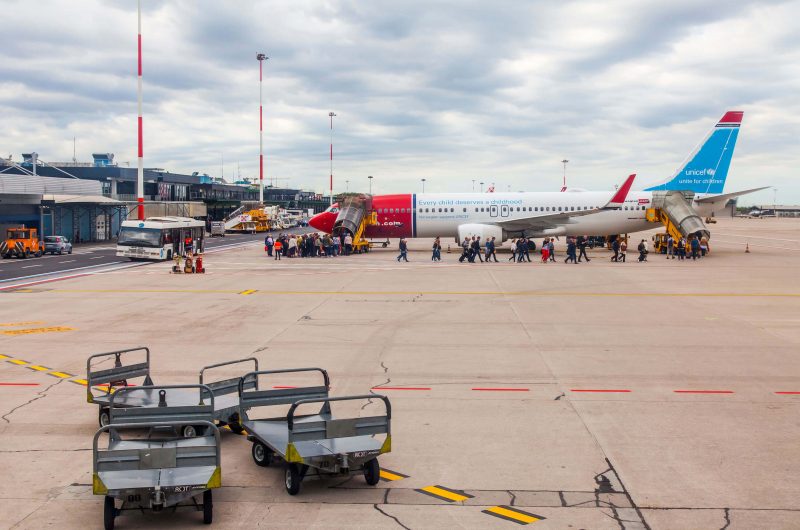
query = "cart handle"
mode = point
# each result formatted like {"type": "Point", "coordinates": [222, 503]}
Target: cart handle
{"type": "Point", "coordinates": [129, 389]}
{"type": "Point", "coordinates": [290, 415]}
{"type": "Point", "coordinates": [228, 363]}
{"type": "Point", "coordinates": [117, 353]}
{"type": "Point", "coordinates": [284, 371]}
{"type": "Point", "coordinates": [152, 424]}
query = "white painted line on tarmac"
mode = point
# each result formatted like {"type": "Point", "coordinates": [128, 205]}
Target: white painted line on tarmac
{"type": "Point", "coordinates": [30, 266]}
{"type": "Point", "coordinates": [60, 272]}
{"type": "Point", "coordinates": [67, 261]}
{"type": "Point", "coordinates": [97, 257]}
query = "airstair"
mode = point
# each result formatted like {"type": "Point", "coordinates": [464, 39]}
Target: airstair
{"type": "Point", "coordinates": [355, 214]}
{"type": "Point", "coordinates": [234, 218]}
{"type": "Point", "coordinates": [673, 209]}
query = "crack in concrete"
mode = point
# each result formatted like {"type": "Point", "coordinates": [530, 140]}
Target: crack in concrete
{"type": "Point", "coordinates": [513, 498]}
{"type": "Point", "coordinates": [562, 498]}
{"type": "Point", "coordinates": [727, 513]}
{"type": "Point", "coordinates": [558, 397]}
{"type": "Point", "coordinates": [39, 395]}
{"type": "Point", "coordinates": [614, 515]}
{"type": "Point", "coordinates": [395, 519]}
{"type": "Point", "coordinates": [627, 494]}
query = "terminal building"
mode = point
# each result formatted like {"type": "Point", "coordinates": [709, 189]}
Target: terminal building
{"type": "Point", "coordinates": [87, 201]}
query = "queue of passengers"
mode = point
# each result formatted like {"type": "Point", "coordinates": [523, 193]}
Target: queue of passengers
{"type": "Point", "coordinates": [312, 245]}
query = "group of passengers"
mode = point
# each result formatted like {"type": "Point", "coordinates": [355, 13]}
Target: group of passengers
{"type": "Point", "coordinates": [312, 245]}
{"type": "Point", "coordinates": [694, 247]}
{"type": "Point", "coordinates": [471, 249]}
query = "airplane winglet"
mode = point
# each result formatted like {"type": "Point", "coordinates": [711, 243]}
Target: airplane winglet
{"type": "Point", "coordinates": [622, 193]}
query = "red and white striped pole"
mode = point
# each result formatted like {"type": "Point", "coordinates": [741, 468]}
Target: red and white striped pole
{"type": "Point", "coordinates": [331, 114]}
{"type": "Point", "coordinates": [261, 57]}
{"type": "Point", "coordinates": [140, 177]}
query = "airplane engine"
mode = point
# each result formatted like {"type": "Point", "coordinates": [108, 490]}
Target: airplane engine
{"type": "Point", "coordinates": [484, 231]}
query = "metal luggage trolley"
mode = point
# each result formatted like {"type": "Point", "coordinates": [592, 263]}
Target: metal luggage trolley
{"type": "Point", "coordinates": [318, 441]}
{"type": "Point", "coordinates": [159, 469]}
{"type": "Point", "coordinates": [225, 391]}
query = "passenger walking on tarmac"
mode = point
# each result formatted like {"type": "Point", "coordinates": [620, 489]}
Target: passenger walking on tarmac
{"type": "Point", "coordinates": [348, 244]}
{"type": "Point", "coordinates": [464, 250]}
{"type": "Point", "coordinates": [527, 250]}
{"type": "Point", "coordinates": [615, 248]}
{"type": "Point", "coordinates": [493, 253]}
{"type": "Point", "coordinates": [268, 244]}
{"type": "Point", "coordinates": [437, 250]}
{"type": "Point", "coordinates": [583, 242]}
{"type": "Point", "coordinates": [695, 245]}
{"type": "Point", "coordinates": [336, 248]}
{"type": "Point", "coordinates": [522, 250]}
{"type": "Point", "coordinates": [476, 246]}
{"type": "Point", "coordinates": [681, 250]}
{"type": "Point", "coordinates": [513, 250]}
{"type": "Point", "coordinates": [292, 246]}
{"type": "Point", "coordinates": [471, 256]}
{"type": "Point", "coordinates": [403, 250]}
{"type": "Point", "coordinates": [571, 251]}
{"type": "Point", "coordinates": [623, 250]}
{"type": "Point", "coordinates": [670, 249]}
{"type": "Point", "coordinates": [642, 251]}
{"type": "Point", "coordinates": [704, 246]}
{"type": "Point", "coordinates": [545, 251]}
{"type": "Point", "coordinates": [552, 247]}
{"type": "Point", "coordinates": [278, 249]}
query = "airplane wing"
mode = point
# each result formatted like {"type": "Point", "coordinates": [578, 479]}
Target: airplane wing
{"type": "Point", "coordinates": [727, 196]}
{"type": "Point", "coordinates": [553, 220]}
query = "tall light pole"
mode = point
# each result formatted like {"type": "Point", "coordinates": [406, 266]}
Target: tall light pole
{"type": "Point", "coordinates": [261, 58]}
{"type": "Point", "coordinates": [775, 202]}
{"type": "Point", "coordinates": [331, 114]}
{"type": "Point", "coordinates": [481, 187]}
{"type": "Point", "coordinates": [140, 174]}
{"type": "Point", "coordinates": [564, 187]}
{"type": "Point", "coordinates": [347, 186]}
{"type": "Point", "coordinates": [473, 185]}
{"type": "Point", "coordinates": [370, 184]}
{"type": "Point", "coordinates": [423, 185]}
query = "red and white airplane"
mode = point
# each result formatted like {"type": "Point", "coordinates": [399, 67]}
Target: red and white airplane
{"type": "Point", "coordinates": [539, 214]}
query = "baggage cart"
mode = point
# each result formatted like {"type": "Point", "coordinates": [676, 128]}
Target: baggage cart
{"type": "Point", "coordinates": [134, 363]}
{"type": "Point", "coordinates": [160, 468]}
{"type": "Point", "coordinates": [319, 444]}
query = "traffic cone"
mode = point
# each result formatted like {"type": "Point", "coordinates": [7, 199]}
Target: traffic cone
{"type": "Point", "coordinates": [747, 248]}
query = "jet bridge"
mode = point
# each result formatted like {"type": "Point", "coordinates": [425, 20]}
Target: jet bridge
{"type": "Point", "coordinates": [674, 210]}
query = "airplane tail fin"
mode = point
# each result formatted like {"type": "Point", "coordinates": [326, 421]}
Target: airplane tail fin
{"type": "Point", "coordinates": [706, 167]}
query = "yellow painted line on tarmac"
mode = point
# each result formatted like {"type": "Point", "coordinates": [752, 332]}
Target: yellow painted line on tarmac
{"type": "Point", "coordinates": [513, 514]}
{"type": "Point", "coordinates": [437, 293]}
{"type": "Point", "coordinates": [62, 375]}
{"type": "Point", "coordinates": [39, 368]}
{"type": "Point", "coordinates": [3, 356]}
{"type": "Point", "coordinates": [31, 331]}
{"type": "Point", "coordinates": [390, 476]}
{"type": "Point", "coordinates": [83, 382]}
{"type": "Point", "coordinates": [19, 362]}
{"type": "Point", "coordinates": [447, 494]}
{"type": "Point", "coordinates": [16, 324]}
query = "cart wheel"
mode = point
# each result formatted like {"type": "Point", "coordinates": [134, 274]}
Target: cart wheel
{"type": "Point", "coordinates": [109, 512]}
{"type": "Point", "coordinates": [189, 431]}
{"type": "Point", "coordinates": [208, 507]}
{"type": "Point", "coordinates": [261, 454]}
{"type": "Point", "coordinates": [293, 479]}
{"type": "Point", "coordinates": [104, 417]}
{"type": "Point", "coordinates": [235, 425]}
{"type": "Point", "coordinates": [372, 472]}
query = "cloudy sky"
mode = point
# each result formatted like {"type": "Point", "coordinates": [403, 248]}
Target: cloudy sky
{"type": "Point", "coordinates": [450, 91]}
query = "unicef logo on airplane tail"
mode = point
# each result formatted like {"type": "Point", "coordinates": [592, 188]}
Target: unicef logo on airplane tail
{"type": "Point", "coordinates": [700, 172]}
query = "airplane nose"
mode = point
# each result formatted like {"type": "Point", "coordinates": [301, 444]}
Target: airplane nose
{"type": "Point", "coordinates": [322, 222]}
{"type": "Point", "coordinates": [314, 222]}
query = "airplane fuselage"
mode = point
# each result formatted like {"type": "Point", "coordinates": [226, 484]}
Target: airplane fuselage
{"type": "Point", "coordinates": [440, 214]}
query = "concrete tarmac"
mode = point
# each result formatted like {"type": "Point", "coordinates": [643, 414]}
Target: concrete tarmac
{"type": "Point", "coordinates": [600, 395]}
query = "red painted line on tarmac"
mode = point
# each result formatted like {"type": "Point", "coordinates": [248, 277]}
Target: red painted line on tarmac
{"type": "Point", "coordinates": [610, 390]}
{"type": "Point", "coordinates": [400, 388]}
{"type": "Point", "coordinates": [788, 393]}
{"type": "Point", "coordinates": [279, 386]}
{"type": "Point", "coordinates": [501, 389]}
{"type": "Point", "coordinates": [37, 282]}
{"type": "Point", "coordinates": [703, 391]}
{"type": "Point", "coordinates": [19, 384]}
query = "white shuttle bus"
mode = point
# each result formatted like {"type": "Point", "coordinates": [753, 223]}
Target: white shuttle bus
{"type": "Point", "coordinates": [160, 238]}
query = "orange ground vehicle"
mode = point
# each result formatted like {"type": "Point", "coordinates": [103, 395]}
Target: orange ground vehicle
{"type": "Point", "coordinates": [21, 243]}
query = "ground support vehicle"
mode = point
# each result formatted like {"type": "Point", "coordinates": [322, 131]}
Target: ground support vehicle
{"type": "Point", "coordinates": [57, 245]}
{"type": "Point", "coordinates": [104, 383]}
{"type": "Point", "coordinates": [217, 228]}
{"type": "Point", "coordinates": [317, 442]}
{"type": "Point", "coordinates": [160, 238]}
{"type": "Point", "coordinates": [21, 243]}
{"type": "Point", "coordinates": [159, 468]}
